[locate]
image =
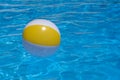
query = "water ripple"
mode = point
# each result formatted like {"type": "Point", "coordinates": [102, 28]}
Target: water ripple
{"type": "Point", "coordinates": [14, 10]}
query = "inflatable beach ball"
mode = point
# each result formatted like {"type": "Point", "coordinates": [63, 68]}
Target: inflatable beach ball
{"type": "Point", "coordinates": [41, 37]}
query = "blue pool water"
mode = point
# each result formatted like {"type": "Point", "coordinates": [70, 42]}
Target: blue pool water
{"type": "Point", "coordinates": [90, 40]}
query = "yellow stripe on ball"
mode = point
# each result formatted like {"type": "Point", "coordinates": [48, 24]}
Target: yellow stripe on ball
{"type": "Point", "coordinates": [41, 35]}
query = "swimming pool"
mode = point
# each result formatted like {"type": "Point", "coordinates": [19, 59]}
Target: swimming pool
{"type": "Point", "coordinates": [90, 45]}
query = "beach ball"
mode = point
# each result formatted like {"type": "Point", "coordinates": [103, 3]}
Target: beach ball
{"type": "Point", "coordinates": [41, 37]}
